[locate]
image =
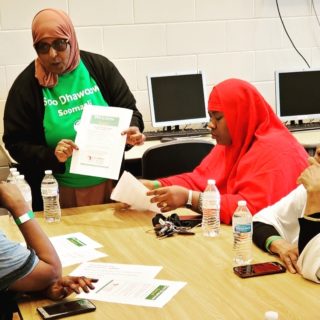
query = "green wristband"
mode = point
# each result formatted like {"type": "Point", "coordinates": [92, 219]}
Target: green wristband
{"type": "Point", "coordinates": [24, 218]}
{"type": "Point", "coordinates": [156, 184]}
{"type": "Point", "coordinates": [270, 240]}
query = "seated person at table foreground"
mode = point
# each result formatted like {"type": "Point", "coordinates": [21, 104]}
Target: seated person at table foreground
{"type": "Point", "coordinates": [291, 227]}
{"type": "Point", "coordinates": [256, 158]}
{"type": "Point", "coordinates": [45, 104]}
{"type": "Point", "coordinates": [35, 268]}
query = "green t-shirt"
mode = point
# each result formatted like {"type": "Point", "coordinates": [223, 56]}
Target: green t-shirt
{"type": "Point", "coordinates": [63, 109]}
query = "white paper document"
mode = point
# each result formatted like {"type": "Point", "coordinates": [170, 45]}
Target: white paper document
{"type": "Point", "coordinates": [101, 270]}
{"type": "Point", "coordinates": [101, 145]}
{"type": "Point", "coordinates": [76, 248]}
{"type": "Point", "coordinates": [131, 191]}
{"type": "Point", "coordinates": [141, 292]}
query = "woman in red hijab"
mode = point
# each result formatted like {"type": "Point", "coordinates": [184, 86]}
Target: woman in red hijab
{"type": "Point", "coordinates": [256, 158]}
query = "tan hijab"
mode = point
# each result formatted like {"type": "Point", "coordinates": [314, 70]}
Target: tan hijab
{"type": "Point", "coordinates": [53, 23]}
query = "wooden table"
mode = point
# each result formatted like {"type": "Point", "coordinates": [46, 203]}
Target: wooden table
{"type": "Point", "coordinates": [213, 291]}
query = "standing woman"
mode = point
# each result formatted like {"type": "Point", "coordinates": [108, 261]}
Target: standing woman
{"type": "Point", "coordinates": [256, 158]}
{"type": "Point", "coordinates": [45, 104]}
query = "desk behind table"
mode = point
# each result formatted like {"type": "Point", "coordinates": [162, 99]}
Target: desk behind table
{"type": "Point", "coordinates": [212, 290]}
{"type": "Point", "coordinates": [309, 139]}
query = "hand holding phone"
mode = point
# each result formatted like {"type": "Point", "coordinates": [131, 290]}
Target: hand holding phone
{"type": "Point", "coordinates": [66, 309]}
{"type": "Point", "coordinates": [259, 269]}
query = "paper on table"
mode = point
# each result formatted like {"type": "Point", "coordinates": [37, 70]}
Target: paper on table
{"type": "Point", "coordinates": [141, 292]}
{"type": "Point", "coordinates": [131, 191]}
{"type": "Point", "coordinates": [75, 248]}
{"type": "Point", "coordinates": [102, 270]}
{"type": "Point", "coordinates": [100, 142]}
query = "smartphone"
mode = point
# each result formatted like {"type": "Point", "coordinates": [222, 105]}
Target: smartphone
{"type": "Point", "coordinates": [65, 309]}
{"type": "Point", "coordinates": [259, 269]}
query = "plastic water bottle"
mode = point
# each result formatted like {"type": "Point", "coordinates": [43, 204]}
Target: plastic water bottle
{"type": "Point", "coordinates": [50, 196]}
{"type": "Point", "coordinates": [242, 234]}
{"type": "Point", "coordinates": [211, 210]}
{"type": "Point", "coordinates": [271, 315]}
{"type": "Point", "coordinates": [24, 188]}
{"type": "Point", "coordinates": [11, 177]}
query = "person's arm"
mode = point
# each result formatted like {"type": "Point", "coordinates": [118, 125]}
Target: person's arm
{"type": "Point", "coordinates": [267, 238]}
{"type": "Point", "coordinates": [48, 270]}
{"type": "Point", "coordinates": [264, 234]}
{"type": "Point", "coordinates": [23, 126]}
{"type": "Point", "coordinates": [173, 197]}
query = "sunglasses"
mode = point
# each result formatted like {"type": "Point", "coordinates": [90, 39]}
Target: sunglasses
{"type": "Point", "coordinates": [58, 45]}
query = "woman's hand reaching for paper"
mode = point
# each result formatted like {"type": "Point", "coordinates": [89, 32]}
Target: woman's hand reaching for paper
{"type": "Point", "coordinates": [169, 198]}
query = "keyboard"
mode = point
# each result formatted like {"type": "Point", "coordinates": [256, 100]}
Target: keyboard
{"type": "Point", "coordinates": [158, 135]}
{"type": "Point", "coordinates": [304, 126]}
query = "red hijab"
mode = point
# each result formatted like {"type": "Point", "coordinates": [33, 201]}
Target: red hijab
{"type": "Point", "coordinates": [263, 161]}
{"type": "Point", "coordinates": [53, 23]}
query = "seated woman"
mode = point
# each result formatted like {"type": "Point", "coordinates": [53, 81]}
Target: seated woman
{"type": "Point", "coordinates": [292, 225]}
{"type": "Point", "coordinates": [256, 158]}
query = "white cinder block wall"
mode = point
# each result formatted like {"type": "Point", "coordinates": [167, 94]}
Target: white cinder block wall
{"type": "Point", "coordinates": [223, 38]}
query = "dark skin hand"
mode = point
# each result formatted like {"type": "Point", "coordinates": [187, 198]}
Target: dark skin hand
{"type": "Point", "coordinates": [68, 285]}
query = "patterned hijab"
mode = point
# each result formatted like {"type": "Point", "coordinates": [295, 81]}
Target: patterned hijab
{"type": "Point", "coordinates": [53, 23]}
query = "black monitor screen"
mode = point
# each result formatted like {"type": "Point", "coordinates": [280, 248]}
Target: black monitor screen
{"type": "Point", "coordinates": [177, 99]}
{"type": "Point", "coordinates": [298, 95]}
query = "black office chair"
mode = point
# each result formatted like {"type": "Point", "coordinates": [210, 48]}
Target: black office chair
{"type": "Point", "coordinates": [174, 157]}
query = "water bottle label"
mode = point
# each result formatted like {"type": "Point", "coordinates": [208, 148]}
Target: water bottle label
{"type": "Point", "coordinates": [49, 192]}
{"type": "Point", "coordinates": [243, 228]}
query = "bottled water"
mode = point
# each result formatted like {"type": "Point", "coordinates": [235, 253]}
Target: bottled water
{"type": "Point", "coordinates": [211, 210]}
{"type": "Point", "coordinates": [25, 189]}
{"type": "Point", "coordinates": [271, 315]}
{"type": "Point", "coordinates": [50, 196]}
{"type": "Point", "coordinates": [11, 176]}
{"type": "Point", "coordinates": [242, 234]}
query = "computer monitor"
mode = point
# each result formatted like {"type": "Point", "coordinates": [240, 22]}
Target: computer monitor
{"type": "Point", "coordinates": [177, 99]}
{"type": "Point", "coordinates": [298, 94]}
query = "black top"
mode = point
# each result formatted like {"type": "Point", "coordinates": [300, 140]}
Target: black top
{"type": "Point", "coordinates": [261, 232]}
{"type": "Point", "coordinates": [24, 136]}
{"type": "Point", "coordinates": [308, 230]}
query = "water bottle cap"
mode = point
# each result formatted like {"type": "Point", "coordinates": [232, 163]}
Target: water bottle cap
{"type": "Point", "coordinates": [20, 177]}
{"type": "Point", "coordinates": [48, 172]}
{"type": "Point", "coordinates": [271, 315]}
{"type": "Point", "coordinates": [242, 203]}
{"type": "Point", "coordinates": [15, 173]}
{"type": "Point", "coordinates": [13, 169]}
{"type": "Point", "coordinates": [211, 181]}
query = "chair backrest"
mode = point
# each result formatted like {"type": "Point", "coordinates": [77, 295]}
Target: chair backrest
{"type": "Point", "coordinates": [174, 157]}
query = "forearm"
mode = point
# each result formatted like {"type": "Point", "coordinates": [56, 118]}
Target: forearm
{"type": "Point", "coordinates": [261, 233]}
{"type": "Point", "coordinates": [37, 240]}
{"type": "Point", "coordinates": [313, 203]}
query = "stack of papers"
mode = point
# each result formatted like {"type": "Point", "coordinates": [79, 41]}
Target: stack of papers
{"type": "Point", "coordinates": [128, 284]}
